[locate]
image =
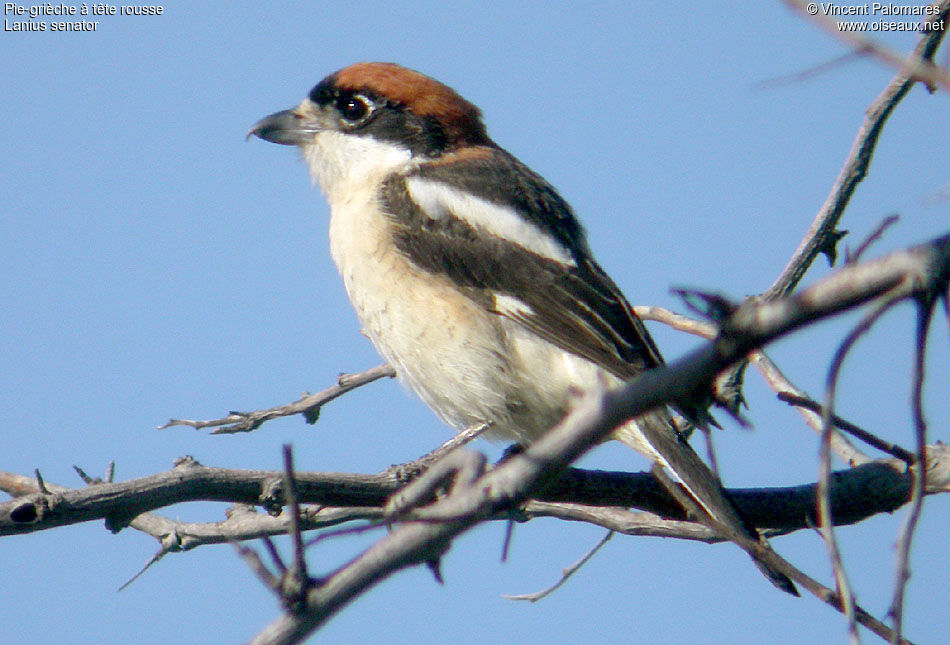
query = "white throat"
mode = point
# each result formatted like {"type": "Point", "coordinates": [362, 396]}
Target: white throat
{"type": "Point", "coordinates": [340, 162]}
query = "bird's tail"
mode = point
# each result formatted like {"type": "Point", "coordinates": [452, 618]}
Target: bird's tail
{"type": "Point", "coordinates": [655, 435]}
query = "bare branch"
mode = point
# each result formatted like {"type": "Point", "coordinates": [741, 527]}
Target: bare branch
{"type": "Point", "coordinates": [876, 487]}
{"type": "Point", "coordinates": [822, 229]}
{"type": "Point", "coordinates": [924, 315]}
{"type": "Point", "coordinates": [875, 235]}
{"type": "Point", "coordinates": [308, 405]}
{"type": "Point", "coordinates": [124, 502]}
{"type": "Point", "coordinates": [826, 524]}
{"type": "Point", "coordinates": [905, 274]}
{"type": "Point", "coordinates": [566, 573]}
{"type": "Point", "coordinates": [786, 390]}
{"type": "Point", "coordinates": [918, 68]}
{"type": "Point", "coordinates": [855, 431]}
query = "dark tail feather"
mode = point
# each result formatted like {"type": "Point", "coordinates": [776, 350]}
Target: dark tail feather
{"type": "Point", "coordinates": [704, 488]}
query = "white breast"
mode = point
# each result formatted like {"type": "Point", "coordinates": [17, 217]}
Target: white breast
{"type": "Point", "coordinates": [443, 346]}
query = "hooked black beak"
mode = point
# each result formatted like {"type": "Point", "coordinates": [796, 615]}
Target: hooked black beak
{"type": "Point", "coordinates": [288, 128]}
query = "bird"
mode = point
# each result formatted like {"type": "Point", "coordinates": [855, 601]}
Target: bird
{"type": "Point", "coordinates": [469, 272]}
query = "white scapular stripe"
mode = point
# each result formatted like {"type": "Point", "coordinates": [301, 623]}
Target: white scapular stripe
{"type": "Point", "coordinates": [437, 200]}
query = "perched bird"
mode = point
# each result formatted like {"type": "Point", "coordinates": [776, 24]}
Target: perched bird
{"type": "Point", "coordinates": [468, 271]}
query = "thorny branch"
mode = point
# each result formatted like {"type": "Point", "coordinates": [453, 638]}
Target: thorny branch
{"type": "Point", "coordinates": [857, 493]}
{"type": "Point", "coordinates": [907, 274]}
{"type": "Point", "coordinates": [821, 235]}
{"type": "Point", "coordinates": [920, 273]}
{"type": "Point", "coordinates": [308, 405]}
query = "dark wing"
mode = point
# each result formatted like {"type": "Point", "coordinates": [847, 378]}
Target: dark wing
{"type": "Point", "coordinates": [582, 311]}
{"type": "Point", "coordinates": [509, 240]}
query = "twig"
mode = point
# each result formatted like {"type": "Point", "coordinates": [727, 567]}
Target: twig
{"type": "Point", "coordinates": [308, 405]}
{"type": "Point", "coordinates": [566, 573]}
{"type": "Point", "coordinates": [824, 500]}
{"type": "Point", "coordinates": [773, 376]}
{"type": "Point", "coordinates": [254, 562]}
{"type": "Point", "coordinates": [626, 522]}
{"type": "Point", "coordinates": [855, 431]}
{"type": "Point", "coordinates": [349, 530]}
{"type": "Point", "coordinates": [853, 256]}
{"type": "Point", "coordinates": [274, 555]}
{"type": "Point", "coordinates": [290, 493]}
{"type": "Point", "coordinates": [295, 581]}
{"type": "Point", "coordinates": [408, 471]}
{"type": "Point", "coordinates": [679, 322]}
{"type": "Point", "coordinates": [815, 70]}
{"type": "Point", "coordinates": [918, 68]}
{"type": "Point", "coordinates": [783, 387]}
{"type": "Point", "coordinates": [924, 314]}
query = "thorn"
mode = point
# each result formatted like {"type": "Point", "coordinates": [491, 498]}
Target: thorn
{"type": "Point", "coordinates": [435, 566]}
{"type": "Point", "coordinates": [186, 462]}
{"type": "Point", "coordinates": [84, 477]}
{"type": "Point", "coordinates": [40, 483]}
{"type": "Point", "coordinates": [509, 532]}
{"type": "Point", "coordinates": [829, 247]}
{"type": "Point", "coordinates": [165, 548]}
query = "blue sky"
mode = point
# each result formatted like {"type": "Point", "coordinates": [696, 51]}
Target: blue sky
{"type": "Point", "coordinates": [154, 264]}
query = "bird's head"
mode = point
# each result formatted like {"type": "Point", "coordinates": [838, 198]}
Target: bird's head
{"type": "Point", "coordinates": [372, 118]}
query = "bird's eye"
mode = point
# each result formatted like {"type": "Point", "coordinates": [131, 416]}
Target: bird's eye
{"type": "Point", "coordinates": [354, 107]}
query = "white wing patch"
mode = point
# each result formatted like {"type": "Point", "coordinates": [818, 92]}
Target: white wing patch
{"type": "Point", "coordinates": [511, 306]}
{"type": "Point", "coordinates": [438, 200]}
